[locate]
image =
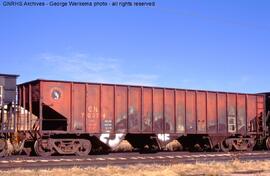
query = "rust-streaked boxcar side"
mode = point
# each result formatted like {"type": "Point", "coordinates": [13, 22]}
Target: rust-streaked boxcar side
{"type": "Point", "coordinates": [106, 108]}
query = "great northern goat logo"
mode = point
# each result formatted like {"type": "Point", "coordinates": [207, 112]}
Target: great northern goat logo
{"type": "Point", "coordinates": [56, 93]}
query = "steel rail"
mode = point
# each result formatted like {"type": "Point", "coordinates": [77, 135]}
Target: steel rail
{"type": "Point", "coordinates": [124, 159]}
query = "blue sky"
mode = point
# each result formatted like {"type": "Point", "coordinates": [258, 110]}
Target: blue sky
{"type": "Point", "coordinates": [212, 45]}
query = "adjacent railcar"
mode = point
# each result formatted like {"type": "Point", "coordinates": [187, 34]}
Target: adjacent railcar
{"type": "Point", "coordinates": [77, 117]}
{"type": "Point", "coordinates": [7, 109]}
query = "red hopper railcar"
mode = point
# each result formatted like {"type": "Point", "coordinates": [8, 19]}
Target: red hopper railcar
{"type": "Point", "coordinates": [77, 117]}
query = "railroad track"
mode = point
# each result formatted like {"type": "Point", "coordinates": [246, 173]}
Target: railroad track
{"type": "Point", "coordinates": [122, 159]}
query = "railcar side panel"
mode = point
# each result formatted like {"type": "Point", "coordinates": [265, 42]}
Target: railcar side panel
{"type": "Point", "coordinates": [78, 107]}
{"type": "Point", "coordinates": [212, 113]}
{"type": "Point", "coordinates": [191, 112]}
{"type": "Point", "coordinates": [107, 109]}
{"type": "Point", "coordinates": [158, 102]}
{"type": "Point", "coordinates": [231, 113]}
{"type": "Point", "coordinates": [241, 114]}
{"type": "Point", "coordinates": [169, 111]}
{"type": "Point", "coordinates": [251, 113]}
{"type": "Point", "coordinates": [260, 105]}
{"type": "Point", "coordinates": [121, 111]}
{"type": "Point", "coordinates": [222, 113]}
{"type": "Point", "coordinates": [93, 109]}
{"type": "Point", "coordinates": [134, 110]}
{"type": "Point", "coordinates": [180, 111]}
{"type": "Point", "coordinates": [57, 96]}
{"type": "Point", "coordinates": [147, 119]}
{"type": "Point", "coordinates": [25, 95]}
{"type": "Point", "coordinates": [56, 103]}
{"type": "Point", "coordinates": [201, 112]}
{"type": "Point", "coordinates": [260, 114]}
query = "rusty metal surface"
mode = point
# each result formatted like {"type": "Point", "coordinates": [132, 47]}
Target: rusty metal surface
{"type": "Point", "coordinates": [201, 112]}
{"type": "Point", "coordinates": [121, 112]}
{"type": "Point", "coordinates": [28, 97]}
{"type": "Point", "coordinates": [212, 113]}
{"type": "Point", "coordinates": [93, 101]}
{"type": "Point", "coordinates": [222, 113]}
{"type": "Point", "coordinates": [231, 113]}
{"type": "Point", "coordinates": [251, 113]}
{"type": "Point", "coordinates": [147, 119]}
{"type": "Point", "coordinates": [78, 108]}
{"type": "Point", "coordinates": [191, 112]}
{"type": "Point", "coordinates": [180, 102]}
{"type": "Point", "coordinates": [58, 96]}
{"type": "Point", "coordinates": [158, 110]}
{"type": "Point", "coordinates": [105, 108]}
{"type": "Point", "coordinates": [134, 109]}
{"type": "Point", "coordinates": [169, 124]}
{"type": "Point", "coordinates": [241, 114]}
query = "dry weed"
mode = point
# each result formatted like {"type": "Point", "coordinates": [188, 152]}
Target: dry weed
{"type": "Point", "coordinates": [174, 146]}
{"type": "Point", "coordinates": [210, 168]}
{"type": "Point", "coordinates": [10, 148]}
{"type": "Point", "coordinates": [124, 146]}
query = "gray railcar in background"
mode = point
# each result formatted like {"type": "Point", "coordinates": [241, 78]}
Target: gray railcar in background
{"type": "Point", "coordinates": [7, 109]}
